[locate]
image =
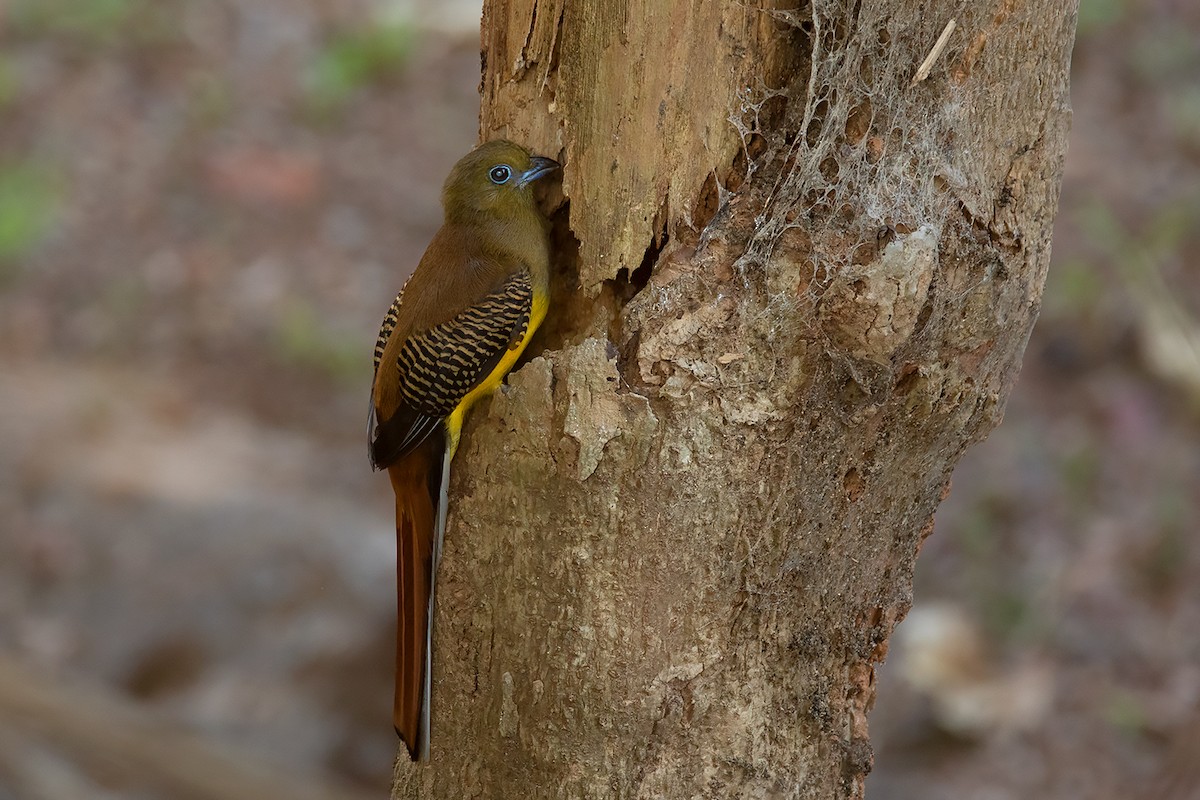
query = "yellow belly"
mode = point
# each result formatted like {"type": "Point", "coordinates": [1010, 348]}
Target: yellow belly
{"type": "Point", "coordinates": [492, 382]}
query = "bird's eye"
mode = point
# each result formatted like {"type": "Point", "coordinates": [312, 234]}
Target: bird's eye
{"type": "Point", "coordinates": [500, 174]}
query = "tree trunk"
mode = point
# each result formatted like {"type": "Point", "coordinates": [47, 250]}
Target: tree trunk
{"type": "Point", "coordinates": [795, 284]}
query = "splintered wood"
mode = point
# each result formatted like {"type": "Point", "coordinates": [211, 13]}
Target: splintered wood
{"type": "Point", "coordinates": [638, 136]}
{"type": "Point", "coordinates": [931, 59]}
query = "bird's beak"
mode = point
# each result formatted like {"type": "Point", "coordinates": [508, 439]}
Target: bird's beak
{"type": "Point", "coordinates": [541, 166]}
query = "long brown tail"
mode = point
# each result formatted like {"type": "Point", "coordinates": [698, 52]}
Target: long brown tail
{"type": "Point", "coordinates": [416, 480]}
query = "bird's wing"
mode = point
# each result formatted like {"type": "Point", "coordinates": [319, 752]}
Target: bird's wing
{"type": "Point", "coordinates": [385, 333]}
{"type": "Point", "coordinates": [438, 367]}
{"type": "Point", "coordinates": [389, 325]}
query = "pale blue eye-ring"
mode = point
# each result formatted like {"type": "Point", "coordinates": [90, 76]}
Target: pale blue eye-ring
{"type": "Point", "coordinates": [500, 174]}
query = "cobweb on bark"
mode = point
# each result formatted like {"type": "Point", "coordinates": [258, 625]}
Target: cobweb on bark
{"type": "Point", "coordinates": [860, 156]}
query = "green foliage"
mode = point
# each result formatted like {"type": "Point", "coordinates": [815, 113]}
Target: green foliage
{"type": "Point", "coordinates": [1079, 473]}
{"type": "Point", "coordinates": [1073, 287]}
{"type": "Point", "coordinates": [1009, 613]}
{"type": "Point", "coordinates": [1183, 111]}
{"type": "Point", "coordinates": [1006, 610]}
{"type": "Point", "coordinates": [1163, 566]}
{"type": "Point", "coordinates": [124, 299]}
{"type": "Point", "coordinates": [1125, 713]}
{"type": "Point", "coordinates": [353, 60]}
{"type": "Point", "coordinates": [98, 19]}
{"type": "Point", "coordinates": [28, 204]}
{"type": "Point", "coordinates": [210, 99]}
{"type": "Point", "coordinates": [1101, 227]}
{"type": "Point", "coordinates": [94, 22]}
{"type": "Point", "coordinates": [10, 85]}
{"type": "Point", "coordinates": [1138, 254]}
{"type": "Point", "coordinates": [1171, 53]}
{"type": "Point", "coordinates": [1096, 15]}
{"type": "Point", "coordinates": [300, 338]}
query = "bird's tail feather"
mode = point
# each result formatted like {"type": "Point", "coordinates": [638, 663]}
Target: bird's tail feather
{"type": "Point", "coordinates": [417, 480]}
{"type": "Point", "coordinates": [439, 534]}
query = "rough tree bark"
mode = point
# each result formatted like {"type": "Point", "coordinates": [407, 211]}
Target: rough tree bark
{"type": "Point", "coordinates": [795, 285]}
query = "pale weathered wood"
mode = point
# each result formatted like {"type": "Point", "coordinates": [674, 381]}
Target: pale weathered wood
{"type": "Point", "coordinates": [680, 540]}
{"type": "Point", "coordinates": [636, 96]}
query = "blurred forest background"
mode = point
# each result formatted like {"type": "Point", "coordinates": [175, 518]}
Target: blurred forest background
{"type": "Point", "coordinates": [205, 209]}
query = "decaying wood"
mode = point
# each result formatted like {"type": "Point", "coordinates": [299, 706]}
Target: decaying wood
{"type": "Point", "coordinates": [794, 288]}
{"type": "Point", "coordinates": [625, 90]}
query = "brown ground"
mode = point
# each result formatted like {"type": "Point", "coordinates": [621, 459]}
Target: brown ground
{"type": "Point", "coordinates": [205, 209]}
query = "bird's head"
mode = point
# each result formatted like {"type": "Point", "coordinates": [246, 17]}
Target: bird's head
{"type": "Point", "coordinates": [495, 178]}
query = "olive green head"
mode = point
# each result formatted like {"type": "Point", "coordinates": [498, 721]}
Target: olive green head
{"type": "Point", "coordinates": [495, 178]}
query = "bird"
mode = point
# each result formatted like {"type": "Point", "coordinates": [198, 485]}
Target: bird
{"type": "Point", "coordinates": [457, 327]}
